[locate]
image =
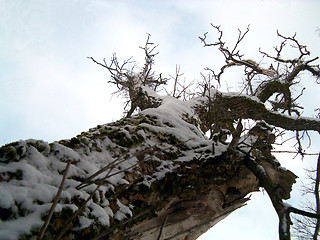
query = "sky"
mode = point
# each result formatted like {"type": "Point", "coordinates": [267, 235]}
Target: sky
{"type": "Point", "coordinates": [50, 90]}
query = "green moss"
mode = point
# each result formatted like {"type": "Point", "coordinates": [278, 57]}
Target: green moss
{"type": "Point", "coordinates": [64, 143]}
{"type": "Point", "coordinates": [142, 128]}
{"type": "Point", "coordinates": [151, 117]}
{"type": "Point", "coordinates": [125, 142]}
{"type": "Point", "coordinates": [144, 120]}
{"type": "Point", "coordinates": [22, 212]}
{"type": "Point", "coordinates": [8, 176]}
{"type": "Point", "coordinates": [9, 152]}
{"type": "Point", "coordinates": [104, 131]}
{"type": "Point", "coordinates": [171, 155]}
{"type": "Point", "coordinates": [137, 138]}
{"type": "Point", "coordinates": [168, 138]}
{"type": "Point", "coordinates": [168, 124]}
{"type": "Point", "coordinates": [122, 123]}
{"type": "Point", "coordinates": [121, 138]}
{"type": "Point", "coordinates": [147, 119]}
{"type": "Point", "coordinates": [40, 146]}
{"type": "Point", "coordinates": [95, 198]}
{"type": "Point", "coordinates": [74, 141]}
{"type": "Point", "coordinates": [119, 135]}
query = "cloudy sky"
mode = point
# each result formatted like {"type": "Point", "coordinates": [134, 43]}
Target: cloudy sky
{"type": "Point", "coordinates": [50, 90]}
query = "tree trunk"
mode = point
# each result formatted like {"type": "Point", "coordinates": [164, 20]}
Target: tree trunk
{"type": "Point", "coordinates": [154, 175]}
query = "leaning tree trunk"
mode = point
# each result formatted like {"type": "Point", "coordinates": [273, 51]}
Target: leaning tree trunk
{"type": "Point", "coordinates": [154, 175]}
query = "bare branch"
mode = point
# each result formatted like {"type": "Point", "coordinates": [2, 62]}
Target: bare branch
{"type": "Point", "coordinates": [236, 136]}
{"type": "Point", "coordinates": [317, 198]}
{"type": "Point", "coordinates": [303, 213]}
{"type": "Point", "coordinates": [176, 81]}
{"type": "Point", "coordinates": [276, 199]}
{"type": "Point", "coordinates": [162, 226]}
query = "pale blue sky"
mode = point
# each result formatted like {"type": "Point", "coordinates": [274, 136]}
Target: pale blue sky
{"type": "Point", "coordinates": [51, 91]}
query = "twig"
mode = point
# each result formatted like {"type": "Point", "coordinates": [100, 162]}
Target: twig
{"type": "Point", "coordinates": [56, 199]}
{"type": "Point", "coordinates": [317, 197]}
{"type": "Point", "coordinates": [295, 152]}
{"type": "Point", "coordinates": [111, 166]}
{"type": "Point", "coordinates": [303, 213]}
{"type": "Point", "coordinates": [236, 136]}
{"type": "Point", "coordinates": [105, 233]}
{"type": "Point", "coordinates": [67, 227]}
{"type": "Point", "coordinates": [108, 166]}
{"type": "Point", "coordinates": [164, 223]}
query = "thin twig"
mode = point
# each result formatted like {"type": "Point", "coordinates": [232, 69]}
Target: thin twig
{"type": "Point", "coordinates": [164, 223]}
{"type": "Point", "coordinates": [105, 233]}
{"type": "Point", "coordinates": [69, 224]}
{"type": "Point", "coordinates": [316, 194]}
{"type": "Point", "coordinates": [303, 213]}
{"type": "Point", "coordinates": [108, 166]}
{"type": "Point", "coordinates": [295, 152]}
{"type": "Point", "coordinates": [56, 199]}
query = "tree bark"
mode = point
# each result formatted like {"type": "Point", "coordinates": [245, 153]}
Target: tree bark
{"type": "Point", "coordinates": [132, 179]}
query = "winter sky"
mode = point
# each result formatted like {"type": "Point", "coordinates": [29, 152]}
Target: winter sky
{"type": "Point", "coordinates": [50, 90]}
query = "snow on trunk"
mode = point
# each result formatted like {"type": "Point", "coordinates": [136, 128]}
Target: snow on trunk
{"type": "Point", "coordinates": [132, 179]}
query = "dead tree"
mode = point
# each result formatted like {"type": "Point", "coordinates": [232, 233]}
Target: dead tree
{"type": "Point", "coordinates": [155, 174]}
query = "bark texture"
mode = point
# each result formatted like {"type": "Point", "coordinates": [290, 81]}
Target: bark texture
{"type": "Point", "coordinates": [132, 179]}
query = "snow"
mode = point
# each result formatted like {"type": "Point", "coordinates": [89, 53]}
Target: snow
{"type": "Point", "coordinates": [282, 168]}
{"type": "Point", "coordinates": [120, 216]}
{"type": "Point", "coordinates": [39, 185]}
{"type": "Point", "coordinates": [284, 225]}
{"type": "Point", "coordinates": [41, 166]}
{"type": "Point", "coordinates": [101, 214]}
{"type": "Point", "coordinates": [10, 230]}
{"type": "Point", "coordinates": [237, 94]}
{"type": "Point", "coordinates": [286, 206]}
{"type": "Point", "coordinates": [142, 133]}
{"type": "Point", "coordinates": [6, 200]}
{"type": "Point", "coordinates": [296, 117]}
{"type": "Point", "coordinates": [261, 170]}
{"type": "Point", "coordinates": [84, 223]}
{"type": "Point", "coordinates": [170, 114]}
{"type": "Point", "coordinates": [124, 209]}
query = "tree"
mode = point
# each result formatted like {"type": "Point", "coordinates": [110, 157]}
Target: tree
{"type": "Point", "coordinates": [305, 227]}
{"type": "Point", "coordinates": [155, 174]}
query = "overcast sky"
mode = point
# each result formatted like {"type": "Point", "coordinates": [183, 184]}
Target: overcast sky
{"type": "Point", "coordinates": [50, 90]}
